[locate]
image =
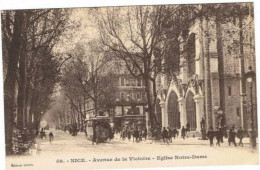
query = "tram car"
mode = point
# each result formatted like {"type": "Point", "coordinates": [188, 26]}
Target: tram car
{"type": "Point", "coordinates": [102, 128]}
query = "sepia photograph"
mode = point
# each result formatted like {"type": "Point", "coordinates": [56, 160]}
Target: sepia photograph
{"type": "Point", "coordinates": [137, 86]}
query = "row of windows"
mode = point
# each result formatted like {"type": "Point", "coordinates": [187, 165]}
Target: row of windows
{"type": "Point", "coordinates": [123, 81]}
{"type": "Point", "coordinates": [128, 110]}
{"type": "Point", "coordinates": [132, 96]}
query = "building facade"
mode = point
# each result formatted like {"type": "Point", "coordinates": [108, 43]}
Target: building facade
{"type": "Point", "coordinates": [183, 102]}
{"type": "Point", "coordinates": [129, 106]}
{"type": "Point", "coordinates": [130, 102]}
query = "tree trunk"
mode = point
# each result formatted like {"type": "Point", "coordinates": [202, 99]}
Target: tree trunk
{"type": "Point", "coordinates": [36, 114]}
{"type": "Point", "coordinates": [242, 75]}
{"type": "Point", "coordinates": [149, 101]}
{"type": "Point", "coordinates": [33, 113]}
{"type": "Point", "coordinates": [30, 125]}
{"type": "Point", "coordinates": [21, 89]}
{"type": "Point", "coordinates": [221, 72]}
{"type": "Point", "coordinates": [11, 76]}
{"type": "Point", "coordinates": [155, 98]}
{"type": "Point", "coordinates": [96, 107]}
{"type": "Point", "coordinates": [207, 81]}
{"type": "Point", "coordinates": [26, 100]}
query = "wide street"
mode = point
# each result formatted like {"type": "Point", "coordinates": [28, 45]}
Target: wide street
{"type": "Point", "coordinates": [70, 151]}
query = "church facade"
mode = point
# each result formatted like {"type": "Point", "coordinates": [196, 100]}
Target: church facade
{"type": "Point", "coordinates": [183, 99]}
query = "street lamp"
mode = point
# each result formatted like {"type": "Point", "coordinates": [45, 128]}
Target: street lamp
{"type": "Point", "coordinates": [250, 77]}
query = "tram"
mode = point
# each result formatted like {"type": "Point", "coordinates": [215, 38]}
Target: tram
{"type": "Point", "coordinates": [102, 125]}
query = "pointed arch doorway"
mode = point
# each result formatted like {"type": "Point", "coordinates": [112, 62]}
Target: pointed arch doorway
{"type": "Point", "coordinates": [191, 111]}
{"type": "Point", "coordinates": [173, 111]}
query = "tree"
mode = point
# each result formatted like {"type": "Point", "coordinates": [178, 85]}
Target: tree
{"type": "Point", "coordinates": [31, 68]}
{"type": "Point", "coordinates": [11, 76]}
{"type": "Point", "coordinates": [134, 34]}
{"type": "Point", "coordinates": [89, 76]}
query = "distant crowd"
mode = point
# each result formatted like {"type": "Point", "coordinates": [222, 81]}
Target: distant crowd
{"type": "Point", "coordinates": [168, 134]}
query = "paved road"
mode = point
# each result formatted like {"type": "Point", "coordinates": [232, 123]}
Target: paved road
{"type": "Point", "coordinates": [188, 152]}
{"type": "Point", "coordinates": [63, 141]}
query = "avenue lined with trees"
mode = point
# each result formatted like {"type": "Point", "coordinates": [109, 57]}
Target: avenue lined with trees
{"type": "Point", "coordinates": [51, 66]}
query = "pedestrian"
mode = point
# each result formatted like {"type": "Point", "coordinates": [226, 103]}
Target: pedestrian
{"type": "Point", "coordinates": [42, 133]}
{"type": "Point", "coordinates": [36, 132]}
{"type": "Point", "coordinates": [218, 136]}
{"type": "Point", "coordinates": [240, 135]}
{"type": "Point", "coordinates": [211, 135]}
{"type": "Point", "coordinates": [145, 134]}
{"type": "Point", "coordinates": [123, 134]}
{"type": "Point", "coordinates": [136, 134]}
{"type": "Point", "coordinates": [156, 131]}
{"type": "Point", "coordinates": [183, 132]}
{"type": "Point", "coordinates": [133, 134]}
{"type": "Point", "coordinates": [140, 135]}
{"type": "Point", "coordinates": [225, 134]}
{"type": "Point", "coordinates": [165, 135]}
{"type": "Point", "coordinates": [51, 137]}
{"type": "Point", "coordinates": [232, 137]}
{"type": "Point", "coordinates": [221, 131]}
{"type": "Point", "coordinates": [170, 134]}
{"type": "Point", "coordinates": [129, 133]}
{"type": "Point", "coordinates": [174, 133]}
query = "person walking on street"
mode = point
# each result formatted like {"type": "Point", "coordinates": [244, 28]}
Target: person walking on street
{"type": "Point", "coordinates": [136, 135]}
{"type": "Point", "coordinates": [165, 135]}
{"type": "Point", "coordinates": [232, 137]}
{"type": "Point", "coordinates": [211, 135]}
{"type": "Point", "coordinates": [240, 135]}
{"type": "Point", "coordinates": [51, 137]}
{"type": "Point", "coordinates": [174, 133]}
{"type": "Point", "coordinates": [170, 134]}
{"type": "Point", "coordinates": [183, 132]}
{"type": "Point", "coordinates": [140, 135]}
{"type": "Point", "coordinates": [129, 133]}
{"type": "Point", "coordinates": [145, 134]}
{"type": "Point", "coordinates": [218, 136]}
{"type": "Point", "coordinates": [221, 131]}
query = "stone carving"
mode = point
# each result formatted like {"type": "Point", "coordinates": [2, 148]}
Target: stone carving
{"type": "Point", "coordinates": [195, 83]}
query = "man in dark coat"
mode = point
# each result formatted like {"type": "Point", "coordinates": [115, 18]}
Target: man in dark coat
{"type": "Point", "coordinates": [174, 133]}
{"type": "Point", "coordinates": [145, 133]}
{"type": "Point", "coordinates": [232, 137]}
{"type": "Point", "coordinates": [165, 135]}
{"type": "Point", "coordinates": [183, 132]}
{"type": "Point", "coordinates": [221, 131]}
{"type": "Point", "coordinates": [211, 135]}
{"type": "Point", "coordinates": [240, 135]}
{"type": "Point", "coordinates": [218, 136]}
{"type": "Point", "coordinates": [136, 135]}
{"type": "Point", "coordinates": [170, 134]}
{"type": "Point", "coordinates": [129, 133]}
{"type": "Point", "coordinates": [51, 137]}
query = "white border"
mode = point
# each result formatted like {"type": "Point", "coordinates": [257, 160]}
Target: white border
{"type": "Point", "coordinates": [32, 4]}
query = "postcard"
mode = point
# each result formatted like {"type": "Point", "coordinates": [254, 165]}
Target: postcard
{"type": "Point", "coordinates": [143, 86]}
